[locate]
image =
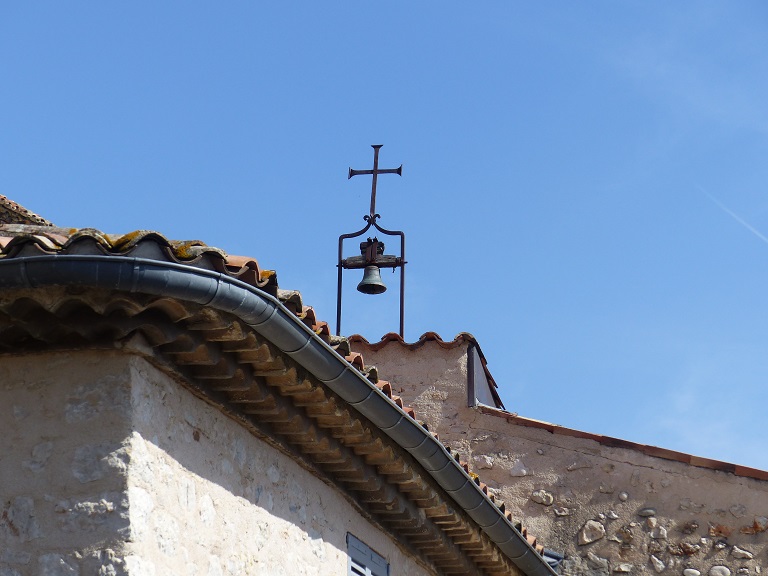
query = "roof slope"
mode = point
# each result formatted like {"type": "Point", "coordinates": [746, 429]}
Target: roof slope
{"type": "Point", "coordinates": [12, 213]}
{"type": "Point", "coordinates": [212, 318]}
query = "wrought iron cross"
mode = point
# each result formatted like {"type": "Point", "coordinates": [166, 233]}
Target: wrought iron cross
{"type": "Point", "coordinates": [375, 172]}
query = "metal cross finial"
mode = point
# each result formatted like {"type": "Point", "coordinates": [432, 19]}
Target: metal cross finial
{"type": "Point", "coordinates": [375, 172]}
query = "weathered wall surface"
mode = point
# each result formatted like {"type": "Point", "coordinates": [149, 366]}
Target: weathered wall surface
{"type": "Point", "coordinates": [611, 510]}
{"type": "Point", "coordinates": [108, 467]}
{"type": "Point", "coordinates": [208, 498]}
{"type": "Point", "coordinates": [63, 419]}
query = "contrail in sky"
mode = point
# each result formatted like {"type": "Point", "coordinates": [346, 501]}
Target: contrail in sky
{"type": "Point", "coordinates": [733, 215]}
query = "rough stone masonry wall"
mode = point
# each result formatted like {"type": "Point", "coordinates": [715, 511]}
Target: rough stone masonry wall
{"type": "Point", "coordinates": [63, 462]}
{"type": "Point", "coordinates": [209, 499]}
{"type": "Point", "coordinates": [110, 468]}
{"type": "Point", "coordinates": [610, 510]}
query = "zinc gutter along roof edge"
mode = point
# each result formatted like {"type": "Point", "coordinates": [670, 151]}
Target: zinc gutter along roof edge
{"type": "Point", "coordinates": [267, 316]}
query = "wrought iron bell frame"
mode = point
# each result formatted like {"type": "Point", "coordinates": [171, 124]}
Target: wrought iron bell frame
{"type": "Point", "coordinates": [381, 261]}
{"type": "Point", "coordinates": [374, 259]}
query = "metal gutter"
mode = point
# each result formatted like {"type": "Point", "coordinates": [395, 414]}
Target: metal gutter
{"type": "Point", "coordinates": [267, 316]}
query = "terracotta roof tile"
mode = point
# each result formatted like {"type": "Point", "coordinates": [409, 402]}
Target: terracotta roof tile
{"type": "Point", "coordinates": [426, 337]}
{"type": "Point", "coordinates": [140, 243]}
{"type": "Point", "coordinates": [356, 360]}
{"type": "Point", "coordinates": [15, 237]}
{"type": "Point", "coordinates": [13, 213]}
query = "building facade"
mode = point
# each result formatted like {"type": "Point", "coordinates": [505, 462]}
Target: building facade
{"type": "Point", "coordinates": [166, 408]}
{"type": "Point", "coordinates": [610, 506]}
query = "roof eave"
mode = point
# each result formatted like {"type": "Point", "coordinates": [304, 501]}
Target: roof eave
{"type": "Point", "coordinates": [265, 315]}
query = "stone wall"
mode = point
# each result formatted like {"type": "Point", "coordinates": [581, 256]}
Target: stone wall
{"type": "Point", "coordinates": [208, 498]}
{"type": "Point", "coordinates": [110, 467]}
{"type": "Point", "coordinates": [63, 462]}
{"type": "Point", "coordinates": [610, 510]}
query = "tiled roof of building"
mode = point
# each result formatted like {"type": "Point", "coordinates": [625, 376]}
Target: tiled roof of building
{"type": "Point", "coordinates": [12, 213]}
{"type": "Point", "coordinates": [16, 238]}
{"type": "Point", "coordinates": [221, 353]}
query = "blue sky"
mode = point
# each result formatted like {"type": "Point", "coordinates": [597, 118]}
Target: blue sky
{"type": "Point", "coordinates": [583, 189]}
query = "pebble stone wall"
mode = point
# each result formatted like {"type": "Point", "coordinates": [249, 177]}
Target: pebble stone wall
{"type": "Point", "coordinates": [610, 510]}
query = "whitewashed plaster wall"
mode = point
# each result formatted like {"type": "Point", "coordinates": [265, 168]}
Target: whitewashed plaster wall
{"type": "Point", "coordinates": [611, 510]}
{"type": "Point", "coordinates": [209, 499]}
{"type": "Point", "coordinates": [109, 467]}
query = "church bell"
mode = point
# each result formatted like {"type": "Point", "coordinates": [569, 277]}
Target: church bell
{"type": "Point", "coordinates": [371, 282]}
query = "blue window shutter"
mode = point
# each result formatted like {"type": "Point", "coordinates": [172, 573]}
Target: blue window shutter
{"type": "Point", "coordinates": [363, 561]}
